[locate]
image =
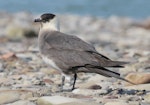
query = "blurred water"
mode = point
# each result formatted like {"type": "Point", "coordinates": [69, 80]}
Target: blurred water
{"type": "Point", "coordinates": [104, 8]}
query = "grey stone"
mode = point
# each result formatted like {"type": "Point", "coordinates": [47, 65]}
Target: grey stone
{"type": "Point", "coordinates": [10, 96]}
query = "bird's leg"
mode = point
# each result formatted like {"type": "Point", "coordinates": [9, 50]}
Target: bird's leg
{"type": "Point", "coordinates": [74, 82]}
{"type": "Point", "coordinates": [62, 82]}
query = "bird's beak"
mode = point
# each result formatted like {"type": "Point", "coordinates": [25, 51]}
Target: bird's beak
{"type": "Point", "coordinates": [38, 20]}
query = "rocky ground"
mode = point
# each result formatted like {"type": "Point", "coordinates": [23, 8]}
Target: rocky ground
{"type": "Point", "coordinates": [26, 80]}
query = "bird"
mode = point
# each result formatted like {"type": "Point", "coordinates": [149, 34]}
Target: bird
{"type": "Point", "coordinates": [71, 55]}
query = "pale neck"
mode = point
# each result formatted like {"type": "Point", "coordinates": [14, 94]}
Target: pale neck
{"type": "Point", "coordinates": [48, 26]}
{"type": "Point", "coordinates": [53, 25]}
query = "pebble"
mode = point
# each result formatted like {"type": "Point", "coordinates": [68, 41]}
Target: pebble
{"type": "Point", "coordinates": [147, 98]}
{"type": "Point", "coordinates": [9, 97]}
{"type": "Point", "coordinates": [139, 78]}
{"type": "Point", "coordinates": [59, 100]}
{"type": "Point", "coordinates": [95, 87]}
{"type": "Point", "coordinates": [22, 102]}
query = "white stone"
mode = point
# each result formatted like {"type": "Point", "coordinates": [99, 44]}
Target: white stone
{"type": "Point", "coordinates": [89, 92]}
{"type": "Point", "coordinates": [8, 96]}
{"type": "Point", "coordinates": [59, 100]}
{"type": "Point", "coordinates": [22, 102]}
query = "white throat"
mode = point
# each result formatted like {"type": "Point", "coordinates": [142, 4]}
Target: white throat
{"type": "Point", "coordinates": [52, 25]}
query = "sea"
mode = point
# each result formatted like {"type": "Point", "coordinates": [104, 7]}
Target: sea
{"type": "Point", "coordinates": [102, 8]}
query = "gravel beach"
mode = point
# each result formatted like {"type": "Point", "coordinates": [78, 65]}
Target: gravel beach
{"type": "Point", "coordinates": [27, 80]}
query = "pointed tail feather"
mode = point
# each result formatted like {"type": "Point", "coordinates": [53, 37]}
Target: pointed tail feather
{"type": "Point", "coordinates": [115, 64]}
{"type": "Point", "coordinates": [108, 73]}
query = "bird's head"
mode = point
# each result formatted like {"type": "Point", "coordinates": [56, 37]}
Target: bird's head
{"type": "Point", "coordinates": [48, 21]}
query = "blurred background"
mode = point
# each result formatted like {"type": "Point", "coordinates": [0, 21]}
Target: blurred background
{"type": "Point", "coordinates": [103, 8]}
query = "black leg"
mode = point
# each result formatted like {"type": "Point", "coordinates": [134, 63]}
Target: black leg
{"type": "Point", "coordinates": [62, 82]}
{"type": "Point", "coordinates": [74, 82]}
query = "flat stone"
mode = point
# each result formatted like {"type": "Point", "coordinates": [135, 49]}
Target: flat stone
{"type": "Point", "coordinates": [80, 103]}
{"type": "Point", "coordinates": [89, 92]}
{"type": "Point", "coordinates": [116, 103]}
{"type": "Point", "coordinates": [9, 96]}
{"type": "Point", "coordinates": [22, 102]}
{"type": "Point", "coordinates": [139, 78]}
{"type": "Point", "coordinates": [59, 100]}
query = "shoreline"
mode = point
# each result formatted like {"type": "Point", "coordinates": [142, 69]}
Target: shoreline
{"type": "Point", "coordinates": [87, 27]}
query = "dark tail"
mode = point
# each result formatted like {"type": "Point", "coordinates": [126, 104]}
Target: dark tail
{"type": "Point", "coordinates": [107, 73]}
{"type": "Point", "coordinates": [115, 64]}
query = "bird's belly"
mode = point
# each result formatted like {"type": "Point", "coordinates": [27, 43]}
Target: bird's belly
{"type": "Point", "coordinates": [50, 62]}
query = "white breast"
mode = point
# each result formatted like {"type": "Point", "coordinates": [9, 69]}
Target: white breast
{"type": "Point", "coordinates": [51, 63]}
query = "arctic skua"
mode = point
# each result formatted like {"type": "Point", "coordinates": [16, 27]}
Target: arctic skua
{"type": "Point", "coordinates": [71, 55]}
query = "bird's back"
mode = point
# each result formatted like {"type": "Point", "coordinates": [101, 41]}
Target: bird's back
{"type": "Point", "coordinates": [60, 40]}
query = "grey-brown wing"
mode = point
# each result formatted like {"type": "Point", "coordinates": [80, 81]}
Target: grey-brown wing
{"type": "Point", "coordinates": [57, 39]}
{"type": "Point", "coordinates": [106, 62]}
{"type": "Point", "coordinates": [65, 59]}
